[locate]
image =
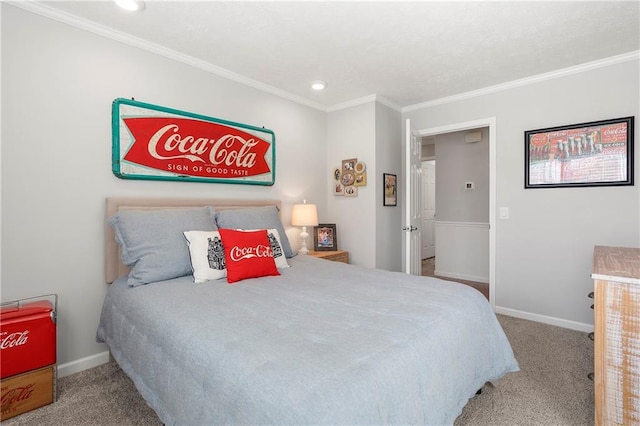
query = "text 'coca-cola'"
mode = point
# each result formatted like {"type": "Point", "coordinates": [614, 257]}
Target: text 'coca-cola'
{"type": "Point", "coordinates": [198, 148]}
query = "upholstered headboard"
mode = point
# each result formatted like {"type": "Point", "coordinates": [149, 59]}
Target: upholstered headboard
{"type": "Point", "coordinates": [114, 267]}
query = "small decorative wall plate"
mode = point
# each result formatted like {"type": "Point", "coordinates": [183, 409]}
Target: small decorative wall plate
{"type": "Point", "coordinates": [350, 191]}
{"type": "Point", "coordinates": [348, 179]}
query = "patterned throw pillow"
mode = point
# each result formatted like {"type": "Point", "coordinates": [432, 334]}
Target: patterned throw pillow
{"type": "Point", "coordinates": [276, 246]}
{"type": "Point", "coordinates": [247, 254]}
{"type": "Point", "coordinates": [207, 255]}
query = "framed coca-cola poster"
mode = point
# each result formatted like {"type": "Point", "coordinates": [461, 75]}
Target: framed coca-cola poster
{"type": "Point", "coordinates": [160, 143]}
{"type": "Point", "coordinates": [597, 153]}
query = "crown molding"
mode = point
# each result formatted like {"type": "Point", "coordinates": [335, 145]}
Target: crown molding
{"type": "Point", "coordinates": [364, 100]}
{"type": "Point", "coordinates": [626, 57]}
{"type": "Point", "coordinates": [386, 102]}
{"type": "Point", "coordinates": [352, 103]}
{"type": "Point", "coordinates": [84, 24]}
{"type": "Point", "coordinates": [57, 15]}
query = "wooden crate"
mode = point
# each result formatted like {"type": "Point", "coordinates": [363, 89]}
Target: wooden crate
{"type": "Point", "coordinates": [28, 391]}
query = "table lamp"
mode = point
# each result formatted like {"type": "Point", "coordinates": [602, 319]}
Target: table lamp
{"type": "Point", "coordinates": [304, 215]}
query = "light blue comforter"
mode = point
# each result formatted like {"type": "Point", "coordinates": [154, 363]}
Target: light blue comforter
{"type": "Point", "coordinates": [324, 343]}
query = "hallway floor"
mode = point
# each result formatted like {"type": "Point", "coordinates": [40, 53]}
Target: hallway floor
{"type": "Point", "coordinates": [428, 270]}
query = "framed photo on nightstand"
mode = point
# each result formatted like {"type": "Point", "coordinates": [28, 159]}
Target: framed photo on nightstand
{"type": "Point", "coordinates": [325, 237]}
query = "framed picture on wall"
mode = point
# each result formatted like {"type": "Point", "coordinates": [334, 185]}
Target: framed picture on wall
{"type": "Point", "coordinates": [143, 148]}
{"type": "Point", "coordinates": [597, 153]}
{"type": "Point", "coordinates": [390, 188]}
{"type": "Point", "coordinates": [325, 237]}
{"type": "Point", "coordinates": [349, 166]}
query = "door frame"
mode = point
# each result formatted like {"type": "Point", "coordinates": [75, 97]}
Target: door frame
{"type": "Point", "coordinates": [489, 122]}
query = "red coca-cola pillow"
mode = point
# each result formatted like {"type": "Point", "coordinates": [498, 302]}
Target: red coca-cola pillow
{"type": "Point", "coordinates": [247, 254]}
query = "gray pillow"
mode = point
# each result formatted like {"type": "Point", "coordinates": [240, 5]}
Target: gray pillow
{"type": "Point", "coordinates": [152, 241]}
{"type": "Point", "coordinates": [255, 218]}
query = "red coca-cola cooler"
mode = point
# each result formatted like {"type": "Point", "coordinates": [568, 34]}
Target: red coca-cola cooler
{"type": "Point", "coordinates": [27, 334]}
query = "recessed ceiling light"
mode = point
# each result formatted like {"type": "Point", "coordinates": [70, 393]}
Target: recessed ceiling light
{"type": "Point", "coordinates": [318, 85]}
{"type": "Point", "coordinates": [132, 5]}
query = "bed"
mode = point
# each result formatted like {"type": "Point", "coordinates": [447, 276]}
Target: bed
{"type": "Point", "coordinates": [319, 342]}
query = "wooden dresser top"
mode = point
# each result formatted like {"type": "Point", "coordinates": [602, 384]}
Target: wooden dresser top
{"type": "Point", "coordinates": [616, 264]}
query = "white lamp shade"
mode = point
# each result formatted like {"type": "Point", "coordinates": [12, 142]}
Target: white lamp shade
{"type": "Point", "coordinates": [304, 215]}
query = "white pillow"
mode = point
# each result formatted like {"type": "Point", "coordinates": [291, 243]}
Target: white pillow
{"type": "Point", "coordinates": [207, 255]}
{"type": "Point", "coordinates": [276, 246]}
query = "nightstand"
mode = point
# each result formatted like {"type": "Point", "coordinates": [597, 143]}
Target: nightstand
{"type": "Point", "coordinates": [336, 256]}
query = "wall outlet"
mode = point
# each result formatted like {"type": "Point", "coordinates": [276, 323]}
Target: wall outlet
{"type": "Point", "coordinates": [469, 185]}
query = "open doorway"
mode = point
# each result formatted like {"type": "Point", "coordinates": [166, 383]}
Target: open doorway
{"type": "Point", "coordinates": [462, 235]}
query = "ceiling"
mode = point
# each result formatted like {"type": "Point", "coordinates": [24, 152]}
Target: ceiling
{"type": "Point", "coordinates": [404, 52]}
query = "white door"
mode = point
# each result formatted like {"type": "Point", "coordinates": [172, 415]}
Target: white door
{"type": "Point", "coordinates": [428, 229]}
{"type": "Point", "coordinates": [413, 206]}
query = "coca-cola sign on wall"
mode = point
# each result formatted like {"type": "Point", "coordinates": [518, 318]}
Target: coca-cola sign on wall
{"type": "Point", "coordinates": [596, 153]}
{"type": "Point", "coordinates": [153, 142]}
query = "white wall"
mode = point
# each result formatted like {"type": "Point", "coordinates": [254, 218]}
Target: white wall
{"type": "Point", "coordinates": [458, 162]}
{"type": "Point", "coordinates": [58, 83]}
{"type": "Point", "coordinates": [544, 251]}
{"type": "Point", "coordinates": [462, 250]}
{"type": "Point", "coordinates": [388, 222]}
{"type": "Point", "coordinates": [370, 232]}
{"type": "Point", "coordinates": [351, 134]}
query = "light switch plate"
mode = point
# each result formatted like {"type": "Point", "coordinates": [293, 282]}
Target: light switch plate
{"type": "Point", "coordinates": [504, 212]}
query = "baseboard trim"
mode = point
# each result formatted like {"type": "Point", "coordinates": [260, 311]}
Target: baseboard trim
{"type": "Point", "coordinates": [572, 325]}
{"type": "Point", "coordinates": [82, 364]}
{"type": "Point", "coordinates": [455, 276]}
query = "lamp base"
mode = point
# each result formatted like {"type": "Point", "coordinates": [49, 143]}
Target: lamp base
{"type": "Point", "coordinates": [303, 237]}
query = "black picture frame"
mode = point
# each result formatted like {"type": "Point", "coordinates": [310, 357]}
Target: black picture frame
{"type": "Point", "coordinates": [596, 153]}
{"type": "Point", "coordinates": [389, 189]}
{"type": "Point", "coordinates": [325, 237]}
